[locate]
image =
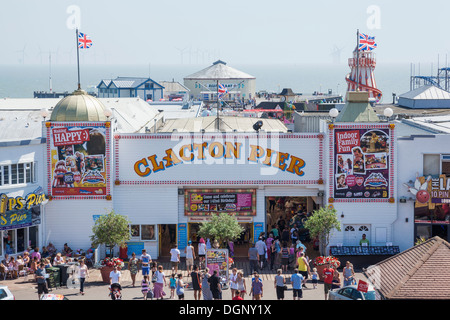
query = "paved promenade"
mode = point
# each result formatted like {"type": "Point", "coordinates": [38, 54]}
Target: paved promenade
{"type": "Point", "coordinates": [95, 289]}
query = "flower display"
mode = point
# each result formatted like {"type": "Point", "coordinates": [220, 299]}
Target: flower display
{"type": "Point", "coordinates": [321, 260]}
{"type": "Point", "coordinates": [111, 262]}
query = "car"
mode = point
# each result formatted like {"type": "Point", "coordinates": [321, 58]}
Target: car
{"type": "Point", "coordinates": [351, 293]}
{"type": "Point", "coordinates": [6, 294]}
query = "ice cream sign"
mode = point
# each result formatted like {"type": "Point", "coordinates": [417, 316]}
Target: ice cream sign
{"type": "Point", "coordinates": [64, 137]}
{"type": "Point", "coordinates": [430, 190]}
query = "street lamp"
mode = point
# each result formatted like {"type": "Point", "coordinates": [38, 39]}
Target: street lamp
{"type": "Point", "coordinates": [333, 113]}
{"type": "Point", "coordinates": [388, 112]}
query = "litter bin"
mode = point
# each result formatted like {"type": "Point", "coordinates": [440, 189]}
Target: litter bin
{"type": "Point", "coordinates": [63, 274]}
{"type": "Point", "coordinates": [53, 280]}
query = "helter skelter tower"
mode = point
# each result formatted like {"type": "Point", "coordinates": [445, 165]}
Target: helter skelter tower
{"type": "Point", "coordinates": [362, 65]}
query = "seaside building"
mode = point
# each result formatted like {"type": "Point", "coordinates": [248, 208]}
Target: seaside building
{"type": "Point", "coordinates": [425, 97]}
{"type": "Point", "coordinates": [203, 84]}
{"type": "Point", "coordinates": [175, 91]}
{"type": "Point", "coordinates": [123, 87]}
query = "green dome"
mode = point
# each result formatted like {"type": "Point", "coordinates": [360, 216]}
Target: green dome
{"type": "Point", "coordinates": [79, 106]}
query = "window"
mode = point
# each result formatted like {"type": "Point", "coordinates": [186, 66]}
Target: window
{"type": "Point", "coordinates": [349, 228]}
{"type": "Point", "coordinates": [18, 173]}
{"type": "Point", "coordinates": [135, 230]}
{"type": "Point", "coordinates": [431, 164]}
{"type": "Point", "coordinates": [148, 232]}
{"type": "Point", "coordinates": [357, 295]}
{"type": "Point", "coordinates": [363, 228]}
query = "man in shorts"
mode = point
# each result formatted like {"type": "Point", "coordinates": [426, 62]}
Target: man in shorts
{"type": "Point", "coordinates": [40, 279]}
{"type": "Point", "coordinates": [174, 258]}
{"type": "Point", "coordinates": [190, 256]}
{"type": "Point", "coordinates": [146, 259]}
{"type": "Point", "coordinates": [328, 274]}
{"type": "Point", "coordinates": [297, 280]}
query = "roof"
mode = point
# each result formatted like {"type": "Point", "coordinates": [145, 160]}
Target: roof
{"type": "Point", "coordinates": [126, 82]}
{"type": "Point", "coordinates": [427, 92]}
{"type": "Point", "coordinates": [437, 124]}
{"type": "Point", "coordinates": [357, 109]}
{"type": "Point", "coordinates": [420, 272]}
{"type": "Point", "coordinates": [172, 110]}
{"type": "Point", "coordinates": [287, 92]}
{"type": "Point", "coordinates": [228, 124]}
{"type": "Point", "coordinates": [20, 125]}
{"type": "Point", "coordinates": [219, 71]}
{"type": "Point", "coordinates": [172, 86]}
{"type": "Point", "coordinates": [79, 106]}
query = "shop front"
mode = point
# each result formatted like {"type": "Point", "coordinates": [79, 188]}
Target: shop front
{"type": "Point", "coordinates": [187, 178]}
{"type": "Point", "coordinates": [20, 217]}
{"type": "Point", "coordinates": [431, 206]}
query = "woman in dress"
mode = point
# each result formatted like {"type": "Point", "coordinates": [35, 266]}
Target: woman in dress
{"type": "Point", "coordinates": [206, 291]}
{"type": "Point", "coordinates": [158, 288]}
{"type": "Point", "coordinates": [233, 284]}
{"type": "Point", "coordinates": [133, 267]}
{"type": "Point", "coordinates": [240, 283]}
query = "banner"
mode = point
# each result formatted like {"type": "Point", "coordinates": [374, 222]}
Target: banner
{"type": "Point", "coordinates": [361, 167]}
{"type": "Point", "coordinates": [204, 202]}
{"type": "Point", "coordinates": [78, 159]}
{"type": "Point", "coordinates": [217, 259]}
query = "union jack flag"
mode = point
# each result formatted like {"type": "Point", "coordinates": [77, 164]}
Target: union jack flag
{"type": "Point", "coordinates": [84, 41]}
{"type": "Point", "coordinates": [222, 90]}
{"type": "Point", "coordinates": [366, 43]}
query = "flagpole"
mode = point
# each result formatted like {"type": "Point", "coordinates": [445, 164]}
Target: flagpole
{"type": "Point", "coordinates": [78, 60]}
{"type": "Point", "coordinates": [357, 60]}
{"type": "Point", "coordinates": [218, 123]}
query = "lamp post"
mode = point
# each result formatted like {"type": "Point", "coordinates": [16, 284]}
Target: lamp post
{"type": "Point", "coordinates": [333, 114]}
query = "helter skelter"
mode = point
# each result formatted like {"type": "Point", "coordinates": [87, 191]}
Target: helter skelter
{"type": "Point", "coordinates": [362, 65]}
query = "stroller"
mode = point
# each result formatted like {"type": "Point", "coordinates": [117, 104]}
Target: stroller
{"type": "Point", "coordinates": [115, 291]}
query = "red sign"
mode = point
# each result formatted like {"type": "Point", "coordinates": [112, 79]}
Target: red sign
{"type": "Point", "coordinates": [363, 286]}
{"type": "Point", "coordinates": [64, 137]}
{"type": "Point", "coordinates": [346, 140]}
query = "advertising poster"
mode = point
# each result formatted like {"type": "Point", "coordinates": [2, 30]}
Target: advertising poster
{"type": "Point", "coordinates": [217, 259]}
{"type": "Point", "coordinates": [182, 236]}
{"type": "Point", "coordinates": [204, 202]}
{"type": "Point", "coordinates": [78, 160]}
{"type": "Point", "coordinates": [361, 163]}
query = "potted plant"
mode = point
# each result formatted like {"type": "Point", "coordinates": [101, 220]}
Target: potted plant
{"type": "Point", "coordinates": [111, 230]}
{"type": "Point", "coordinates": [321, 261]}
{"type": "Point", "coordinates": [108, 266]}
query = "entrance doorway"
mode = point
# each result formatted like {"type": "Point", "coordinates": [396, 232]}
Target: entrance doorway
{"type": "Point", "coordinates": [167, 238]}
{"type": "Point", "coordinates": [289, 213]}
{"type": "Point", "coordinates": [240, 246]}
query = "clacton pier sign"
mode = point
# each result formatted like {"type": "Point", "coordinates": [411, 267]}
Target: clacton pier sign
{"type": "Point", "coordinates": [253, 158]}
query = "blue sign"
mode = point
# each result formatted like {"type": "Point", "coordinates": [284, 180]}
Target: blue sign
{"type": "Point", "coordinates": [258, 228]}
{"type": "Point", "coordinates": [182, 236]}
{"type": "Point", "coordinates": [135, 247]}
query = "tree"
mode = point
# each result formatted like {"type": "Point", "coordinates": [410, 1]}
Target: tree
{"type": "Point", "coordinates": [111, 229]}
{"type": "Point", "coordinates": [320, 225]}
{"type": "Point", "coordinates": [221, 227]}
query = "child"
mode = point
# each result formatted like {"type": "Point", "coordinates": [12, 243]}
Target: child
{"type": "Point", "coordinates": [173, 285]}
{"type": "Point", "coordinates": [145, 286]}
{"type": "Point", "coordinates": [314, 278]}
{"type": "Point", "coordinates": [180, 287]}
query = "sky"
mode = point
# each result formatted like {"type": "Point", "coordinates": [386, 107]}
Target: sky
{"type": "Point", "coordinates": [236, 31]}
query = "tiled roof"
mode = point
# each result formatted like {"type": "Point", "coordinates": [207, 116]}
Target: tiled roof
{"type": "Point", "coordinates": [420, 272]}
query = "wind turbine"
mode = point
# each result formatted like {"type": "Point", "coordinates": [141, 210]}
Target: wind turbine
{"type": "Point", "coordinates": [39, 54]}
{"type": "Point", "coordinates": [336, 54]}
{"type": "Point", "coordinates": [23, 54]}
{"type": "Point", "coordinates": [181, 53]}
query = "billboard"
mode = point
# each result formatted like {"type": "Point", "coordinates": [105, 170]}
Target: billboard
{"type": "Point", "coordinates": [362, 163]}
{"type": "Point", "coordinates": [78, 156]}
{"type": "Point", "coordinates": [204, 202]}
{"type": "Point", "coordinates": [218, 159]}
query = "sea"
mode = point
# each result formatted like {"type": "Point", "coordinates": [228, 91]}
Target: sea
{"type": "Point", "coordinates": [21, 80]}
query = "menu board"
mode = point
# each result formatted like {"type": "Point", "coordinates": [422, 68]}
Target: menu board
{"type": "Point", "coordinates": [204, 202]}
{"type": "Point", "coordinates": [361, 167]}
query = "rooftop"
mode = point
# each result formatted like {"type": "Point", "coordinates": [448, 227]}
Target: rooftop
{"type": "Point", "coordinates": [420, 272]}
{"type": "Point", "coordinates": [219, 71]}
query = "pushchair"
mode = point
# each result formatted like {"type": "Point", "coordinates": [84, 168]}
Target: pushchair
{"type": "Point", "coordinates": [115, 291]}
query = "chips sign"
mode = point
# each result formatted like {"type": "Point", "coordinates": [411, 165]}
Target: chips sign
{"type": "Point", "coordinates": [363, 286]}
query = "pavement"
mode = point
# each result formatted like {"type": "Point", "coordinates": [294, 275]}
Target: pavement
{"type": "Point", "coordinates": [95, 289]}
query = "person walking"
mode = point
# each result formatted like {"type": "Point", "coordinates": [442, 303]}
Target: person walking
{"type": "Point", "coordinates": [285, 257]}
{"type": "Point", "coordinates": [180, 287]}
{"type": "Point", "coordinates": [83, 273]}
{"type": "Point", "coordinates": [145, 286]}
{"type": "Point", "coordinates": [158, 287]}
{"type": "Point", "coordinates": [114, 276]}
{"type": "Point", "coordinates": [240, 283]}
{"type": "Point", "coordinates": [133, 267]}
{"type": "Point", "coordinates": [328, 274]}
{"type": "Point", "coordinates": [348, 273]}
{"type": "Point", "coordinates": [253, 258]}
{"type": "Point", "coordinates": [40, 276]}
{"type": "Point", "coordinates": [190, 256]}
{"type": "Point", "coordinates": [279, 285]}
{"type": "Point", "coordinates": [202, 253]}
{"type": "Point", "coordinates": [232, 281]}
{"type": "Point", "coordinates": [303, 268]}
{"type": "Point", "coordinates": [206, 291]}
{"type": "Point", "coordinates": [145, 260]}
{"type": "Point", "coordinates": [297, 281]}
{"type": "Point", "coordinates": [257, 288]}
{"type": "Point", "coordinates": [262, 248]}
{"type": "Point", "coordinates": [174, 258]}
{"type": "Point", "coordinates": [172, 285]}
{"type": "Point", "coordinates": [214, 284]}
{"type": "Point", "coordinates": [196, 283]}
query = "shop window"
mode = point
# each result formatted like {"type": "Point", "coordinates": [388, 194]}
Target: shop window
{"type": "Point", "coordinates": [148, 232]}
{"type": "Point", "coordinates": [135, 231]}
{"type": "Point", "coordinates": [21, 240]}
{"type": "Point", "coordinates": [9, 241]}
